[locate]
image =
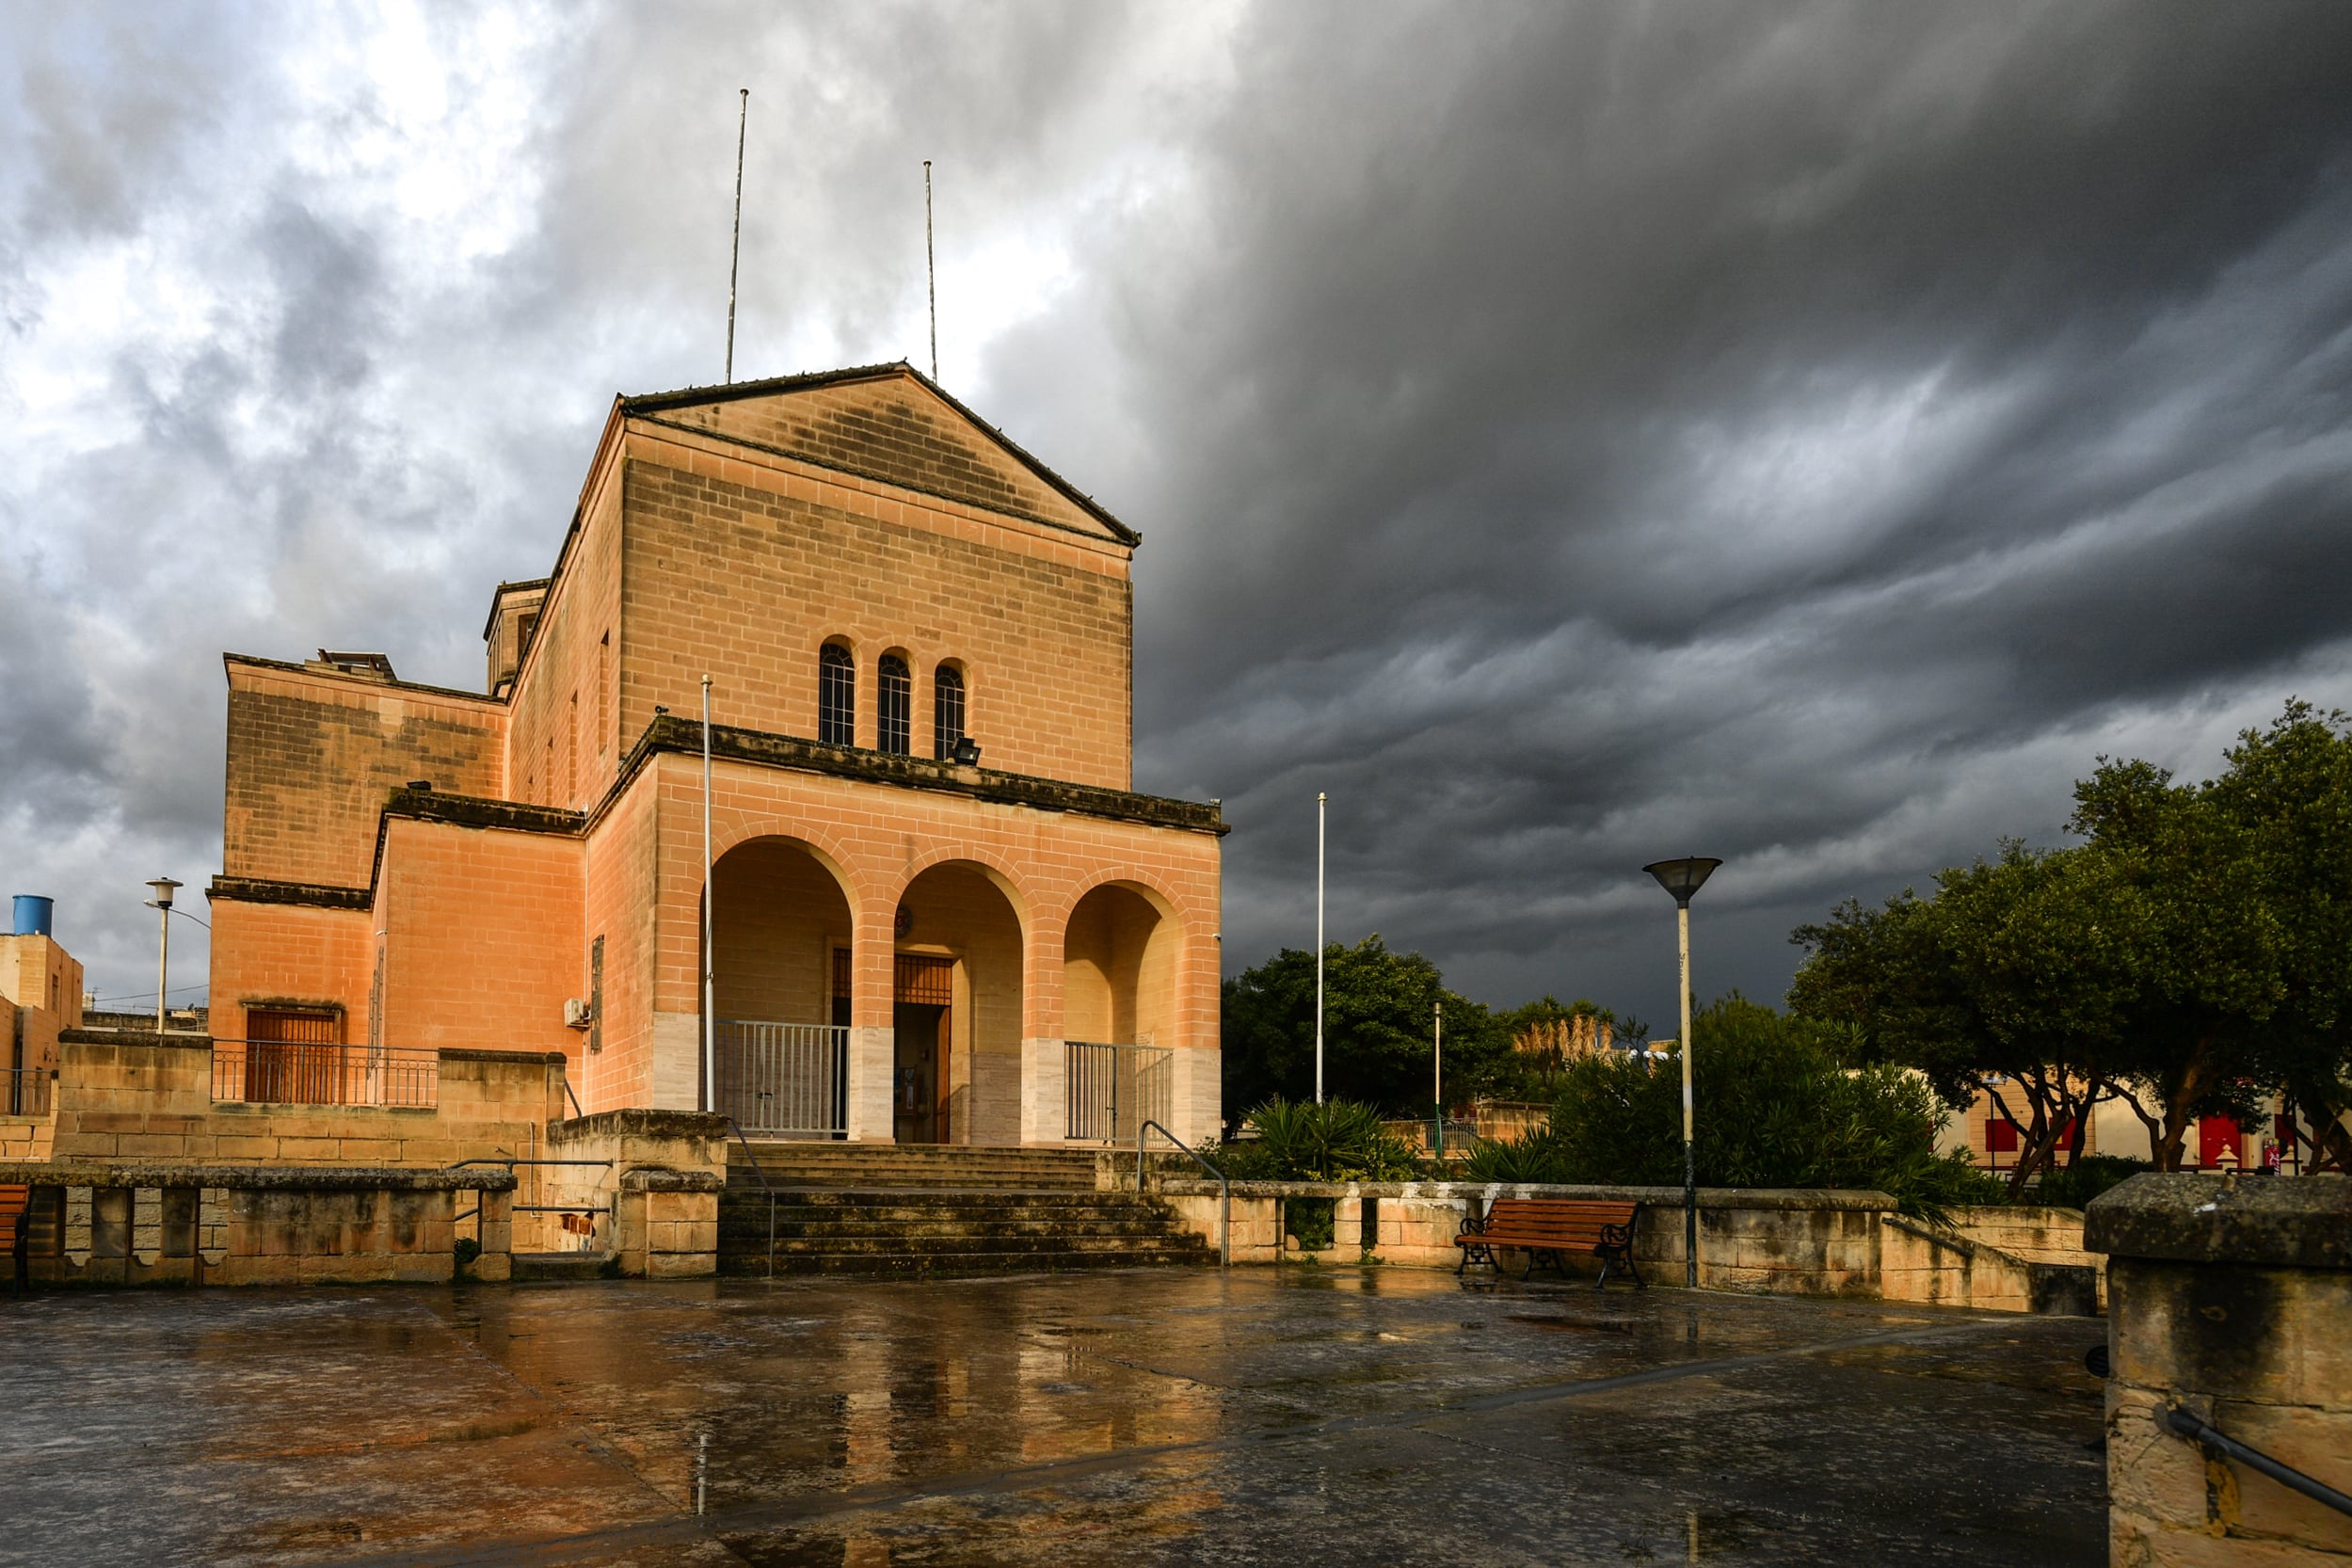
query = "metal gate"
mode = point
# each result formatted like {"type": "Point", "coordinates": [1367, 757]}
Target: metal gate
{"type": "Point", "coordinates": [1112, 1089]}
{"type": "Point", "coordinates": [791, 1078]}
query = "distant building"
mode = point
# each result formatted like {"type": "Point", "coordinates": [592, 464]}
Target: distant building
{"type": "Point", "coordinates": [942, 914]}
{"type": "Point", "coordinates": [40, 997]}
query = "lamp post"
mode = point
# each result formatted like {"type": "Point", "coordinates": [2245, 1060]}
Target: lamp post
{"type": "Point", "coordinates": [1682, 878]}
{"type": "Point", "coordinates": [161, 903]}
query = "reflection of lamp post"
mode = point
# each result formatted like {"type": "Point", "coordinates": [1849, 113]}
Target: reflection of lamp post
{"type": "Point", "coordinates": [1682, 878]}
{"type": "Point", "coordinates": [162, 903]}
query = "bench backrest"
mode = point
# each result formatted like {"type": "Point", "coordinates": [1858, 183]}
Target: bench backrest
{"type": "Point", "coordinates": [1569, 1221]}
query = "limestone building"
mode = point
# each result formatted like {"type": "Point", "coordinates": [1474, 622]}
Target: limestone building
{"type": "Point", "coordinates": [941, 912]}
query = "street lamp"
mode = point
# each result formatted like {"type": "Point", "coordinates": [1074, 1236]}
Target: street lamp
{"type": "Point", "coordinates": [162, 903]}
{"type": "Point", "coordinates": [1683, 878]}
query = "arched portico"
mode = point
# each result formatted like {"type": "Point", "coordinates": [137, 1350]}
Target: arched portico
{"type": "Point", "coordinates": [956, 1008]}
{"type": "Point", "coordinates": [1120, 954]}
{"type": "Point", "coordinates": [780, 932]}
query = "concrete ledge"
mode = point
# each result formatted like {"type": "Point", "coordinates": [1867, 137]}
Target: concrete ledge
{"type": "Point", "coordinates": [1648, 1197]}
{"type": "Point", "coordinates": [647, 1179]}
{"type": "Point", "coordinates": [2281, 1221]}
{"type": "Point", "coordinates": [252, 1178]}
{"type": "Point", "coordinates": [638, 1123]}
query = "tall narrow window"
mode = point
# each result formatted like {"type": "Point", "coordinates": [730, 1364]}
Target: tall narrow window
{"type": "Point", "coordinates": [837, 696]}
{"type": "Point", "coordinates": [571, 752]}
{"type": "Point", "coordinates": [947, 711]}
{"type": "Point", "coordinates": [604, 695]}
{"type": "Point", "coordinates": [894, 711]}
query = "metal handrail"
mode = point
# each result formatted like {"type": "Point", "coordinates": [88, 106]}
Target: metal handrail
{"type": "Point", "coordinates": [2183, 1423]}
{"type": "Point", "coordinates": [769, 1186]}
{"type": "Point", "coordinates": [575, 1098]}
{"type": "Point", "coordinates": [536, 1207]}
{"type": "Point", "coordinates": [1225, 1188]}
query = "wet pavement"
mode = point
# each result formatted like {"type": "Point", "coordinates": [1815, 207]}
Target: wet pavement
{"type": "Point", "coordinates": [1334, 1416]}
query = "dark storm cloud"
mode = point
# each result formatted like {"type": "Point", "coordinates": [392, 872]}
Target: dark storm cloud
{"type": "Point", "coordinates": [1567, 434]}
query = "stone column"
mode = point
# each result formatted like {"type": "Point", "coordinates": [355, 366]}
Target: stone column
{"type": "Point", "coordinates": [147, 1226]}
{"type": "Point", "coordinates": [497, 1233]}
{"type": "Point", "coordinates": [872, 992]}
{"type": "Point", "coordinates": [77, 1206]}
{"type": "Point", "coordinates": [212, 1227]}
{"type": "Point", "coordinates": [1044, 1089]}
{"type": "Point", "coordinates": [2230, 1297]}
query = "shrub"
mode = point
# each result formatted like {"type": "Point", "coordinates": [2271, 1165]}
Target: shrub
{"type": "Point", "coordinates": [1775, 1109]}
{"type": "Point", "coordinates": [2073, 1186]}
{"type": "Point", "coordinates": [466, 1250]}
{"type": "Point", "coordinates": [1301, 1141]}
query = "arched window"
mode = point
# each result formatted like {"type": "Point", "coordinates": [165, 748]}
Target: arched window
{"type": "Point", "coordinates": [947, 711]}
{"type": "Point", "coordinates": [837, 696]}
{"type": "Point", "coordinates": [895, 705]}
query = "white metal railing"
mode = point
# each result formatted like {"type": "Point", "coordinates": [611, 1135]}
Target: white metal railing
{"type": "Point", "coordinates": [784, 1077]}
{"type": "Point", "coordinates": [1113, 1090]}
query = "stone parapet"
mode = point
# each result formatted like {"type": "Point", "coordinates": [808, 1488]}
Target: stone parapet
{"type": "Point", "coordinates": [1772, 1242]}
{"type": "Point", "coordinates": [128, 1223]}
{"type": "Point", "coordinates": [2230, 1297]}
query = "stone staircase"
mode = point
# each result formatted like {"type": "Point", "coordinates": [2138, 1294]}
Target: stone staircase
{"type": "Point", "coordinates": [932, 1211]}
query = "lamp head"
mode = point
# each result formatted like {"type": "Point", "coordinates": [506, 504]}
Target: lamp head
{"type": "Point", "coordinates": [163, 886]}
{"type": "Point", "coordinates": [967, 752]}
{"type": "Point", "coordinates": [1684, 878]}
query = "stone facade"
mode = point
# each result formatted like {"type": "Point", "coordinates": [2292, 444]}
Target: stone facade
{"type": "Point", "coordinates": [427, 869]}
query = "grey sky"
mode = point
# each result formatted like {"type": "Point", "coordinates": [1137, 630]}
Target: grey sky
{"type": "Point", "coordinates": [1569, 435]}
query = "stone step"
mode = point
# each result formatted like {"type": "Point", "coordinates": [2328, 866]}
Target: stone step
{"type": "Point", "coordinates": [914, 1200]}
{"type": "Point", "coordinates": [952, 1265]}
{"type": "Point", "coordinates": [916, 1166]}
{"type": "Point", "coordinates": [560, 1265]}
{"type": "Point", "coordinates": [914, 1245]}
{"type": "Point", "coordinates": [752, 1229]}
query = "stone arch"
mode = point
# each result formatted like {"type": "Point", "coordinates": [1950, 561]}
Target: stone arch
{"type": "Point", "coordinates": [1122, 959]}
{"type": "Point", "coordinates": [780, 908]}
{"type": "Point", "coordinates": [963, 913]}
{"type": "Point", "coordinates": [999, 869]}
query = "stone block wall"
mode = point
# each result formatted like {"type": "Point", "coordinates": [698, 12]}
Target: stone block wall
{"type": "Point", "coordinates": [1813, 1243]}
{"type": "Point", "coordinates": [650, 1185]}
{"type": "Point", "coordinates": [149, 1097]}
{"type": "Point", "coordinates": [2231, 1298]}
{"type": "Point", "coordinates": [135, 1225]}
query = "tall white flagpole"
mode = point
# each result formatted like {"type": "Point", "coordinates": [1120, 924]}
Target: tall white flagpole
{"type": "Point", "coordinates": [1320, 808]}
{"type": "Point", "coordinates": [709, 902]}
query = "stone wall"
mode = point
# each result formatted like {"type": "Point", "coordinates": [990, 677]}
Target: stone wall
{"type": "Point", "coordinates": [1798, 1242]}
{"type": "Point", "coordinates": [648, 1182]}
{"type": "Point", "coordinates": [149, 1097]}
{"type": "Point", "coordinates": [95, 1222]}
{"type": "Point", "coordinates": [2231, 1299]}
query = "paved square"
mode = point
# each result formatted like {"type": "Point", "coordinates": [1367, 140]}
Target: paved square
{"type": "Point", "coordinates": [1329, 1416]}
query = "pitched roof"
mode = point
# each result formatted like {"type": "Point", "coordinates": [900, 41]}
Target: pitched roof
{"type": "Point", "coordinates": [657, 403]}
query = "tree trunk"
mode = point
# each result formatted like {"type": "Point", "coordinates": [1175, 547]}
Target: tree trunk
{"type": "Point", "coordinates": [2176, 1105]}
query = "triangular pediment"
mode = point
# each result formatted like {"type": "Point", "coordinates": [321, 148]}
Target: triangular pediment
{"type": "Point", "coordinates": [892, 424]}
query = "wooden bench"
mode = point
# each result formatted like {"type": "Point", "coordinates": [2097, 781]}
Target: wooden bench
{"type": "Point", "coordinates": [14, 1201]}
{"type": "Point", "coordinates": [1547, 1229]}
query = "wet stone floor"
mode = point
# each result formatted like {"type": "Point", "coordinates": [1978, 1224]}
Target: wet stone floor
{"type": "Point", "coordinates": [1293, 1416]}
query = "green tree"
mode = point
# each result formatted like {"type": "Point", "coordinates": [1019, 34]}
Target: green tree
{"type": "Point", "coordinates": [1377, 1009]}
{"type": "Point", "coordinates": [1775, 1108]}
{"type": "Point", "coordinates": [2016, 980]}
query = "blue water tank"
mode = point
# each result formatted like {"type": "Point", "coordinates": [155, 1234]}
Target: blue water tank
{"type": "Point", "coordinates": [33, 914]}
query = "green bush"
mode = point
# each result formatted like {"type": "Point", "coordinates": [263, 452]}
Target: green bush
{"type": "Point", "coordinates": [2072, 1186]}
{"type": "Point", "coordinates": [1775, 1109]}
{"type": "Point", "coordinates": [1301, 1141]}
{"type": "Point", "coordinates": [466, 1250]}
{"type": "Point", "coordinates": [1314, 1221]}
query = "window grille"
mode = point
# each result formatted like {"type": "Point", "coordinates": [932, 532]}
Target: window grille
{"type": "Point", "coordinates": [837, 696]}
{"type": "Point", "coordinates": [895, 703]}
{"type": "Point", "coordinates": [925, 981]}
{"type": "Point", "coordinates": [947, 711]}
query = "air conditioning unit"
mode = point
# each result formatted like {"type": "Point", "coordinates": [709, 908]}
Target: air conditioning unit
{"type": "Point", "coordinates": [577, 1013]}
